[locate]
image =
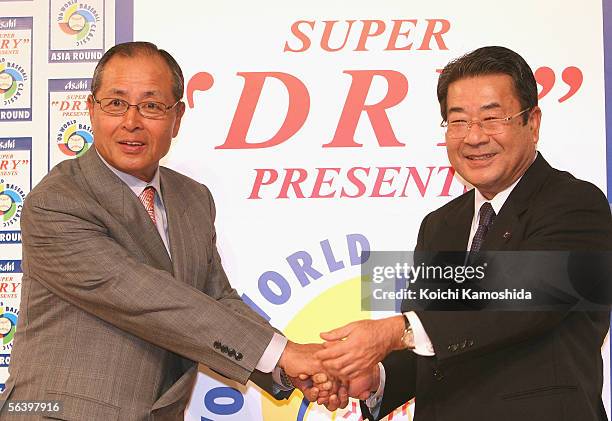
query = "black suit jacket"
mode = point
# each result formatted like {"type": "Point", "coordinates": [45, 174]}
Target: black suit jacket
{"type": "Point", "coordinates": [511, 365]}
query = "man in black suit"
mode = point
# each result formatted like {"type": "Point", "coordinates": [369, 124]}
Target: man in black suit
{"type": "Point", "coordinates": [489, 365]}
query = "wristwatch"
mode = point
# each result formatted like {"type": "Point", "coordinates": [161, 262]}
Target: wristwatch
{"type": "Point", "coordinates": [285, 380]}
{"type": "Point", "coordinates": [408, 336]}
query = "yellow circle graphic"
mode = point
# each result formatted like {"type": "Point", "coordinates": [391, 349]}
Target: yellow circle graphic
{"type": "Point", "coordinates": [335, 307]}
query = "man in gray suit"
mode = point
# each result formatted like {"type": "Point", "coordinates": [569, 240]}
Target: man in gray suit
{"type": "Point", "coordinates": [123, 289]}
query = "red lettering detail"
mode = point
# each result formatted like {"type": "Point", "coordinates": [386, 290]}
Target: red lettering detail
{"type": "Point", "coordinates": [290, 182]}
{"type": "Point", "coordinates": [414, 174]}
{"type": "Point", "coordinates": [431, 32]}
{"type": "Point", "coordinates": [316, 190]}
{"type": "Point", "coordinates": [573, 77]}
{"type": "Point", "coordinates": [380, 180]}
{"type": "Point", "coordinates": [201, 81]}
{"type": "Point", "coordinates": [295, 30]}
{"type": "Point", "coordinates": [545, 76]}
{"type": "Point", "coordinates": [329, 24]}
{"type": "Point", "coordinates": [260, 181]}
{"type": "Point", "coordinates": [355, 105]}
{"type": "Point", "coordinates": [450, 175]}
{"type": "Point", "coordinates": [354, 182]}
{"type": "Point", "coordinates": [366, 32]}
{"type": "Point", "coordinates": [361, 187]}
{"type": "Point", "coordinates": [299, 105]}
{"type": "Point", "coordinates": [396, 32]}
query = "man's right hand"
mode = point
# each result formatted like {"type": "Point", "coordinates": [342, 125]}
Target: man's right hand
{"type": "Point", "coordinates": [352, 350]}
{"type": "Point", "coordinates": [299, 362]}
{"type": "Point", "coordinates": [299, 359]}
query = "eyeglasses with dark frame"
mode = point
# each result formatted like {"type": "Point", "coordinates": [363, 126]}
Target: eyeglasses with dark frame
{"type": "Point", "coordinates": [147, 109]}
{"type": "Point", "coordinates": [459, 129]}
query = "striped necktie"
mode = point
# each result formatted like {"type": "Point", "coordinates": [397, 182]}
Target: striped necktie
{"type": "Point", "coordinates": [147, 197]}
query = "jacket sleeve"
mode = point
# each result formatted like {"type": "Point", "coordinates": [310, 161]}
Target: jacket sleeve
{"type": "Point", "coordinates": [70, 252]}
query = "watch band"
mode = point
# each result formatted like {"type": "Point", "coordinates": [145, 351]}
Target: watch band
{"type": "Point", "coordinates": [285, 380]}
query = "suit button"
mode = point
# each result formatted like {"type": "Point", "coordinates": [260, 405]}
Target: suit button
{"type": "Point", "coordinates": [217, 344]}
{"type": "Point", "coordinates": [232, 352]}
{"type": "Point", "coordinates": [224, 349]}
{"type": "Point", "coordinates": [470, 342]}
{"type": "Point", "coordinates": [438, 375]}
{"type": "Point", "coordinates": [463, 344]}
{"type": "Point", "coordinates": [238, 356]}
{"type": "Point", "coordinates": [452, 348]}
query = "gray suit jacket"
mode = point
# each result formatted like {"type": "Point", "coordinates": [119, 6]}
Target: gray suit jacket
{"type": "Point", "coordinates": [109, 324]}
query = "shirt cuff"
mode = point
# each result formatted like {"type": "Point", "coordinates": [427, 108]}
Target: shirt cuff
{"type": "Point", "coordinates": [272, 354]}
{"type": "Point", "coordinates": [422, 343]}
{"type": "Point", "coordinates": [277, 385]}
{"type": "Point", "coordinates": [375, 399]}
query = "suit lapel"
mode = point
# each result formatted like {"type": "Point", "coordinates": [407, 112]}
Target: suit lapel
{"type": "Point", "coordinates": [117, 198]}
{"type": "Point", "coordinates": [458, 222]}
{"type": "Point", "coordinates": [175, 209]}
{"type": "Point", "coordinates": [508, 222]}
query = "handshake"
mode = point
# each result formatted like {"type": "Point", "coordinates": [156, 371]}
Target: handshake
{"type": "Point", "coordinates": [346, 364]}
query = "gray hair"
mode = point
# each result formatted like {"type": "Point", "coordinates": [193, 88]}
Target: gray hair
{"type": "Point", "coordinates": [133, 49]}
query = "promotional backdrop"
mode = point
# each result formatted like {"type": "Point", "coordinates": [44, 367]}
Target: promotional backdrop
{"type": "Point", "coordinates": [315, 125]}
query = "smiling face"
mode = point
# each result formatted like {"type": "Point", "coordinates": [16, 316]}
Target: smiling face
{"type": "Point", "coordinates": [131, 143]}
{"type": "Point", "coordinates": [491, 163]}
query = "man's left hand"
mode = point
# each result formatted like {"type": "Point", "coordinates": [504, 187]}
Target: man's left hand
{"type": "Point", "coordinates": [353, 349]}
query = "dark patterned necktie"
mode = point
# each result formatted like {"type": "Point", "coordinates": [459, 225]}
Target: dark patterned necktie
{"type": "Point", "coordinates": [487, 215]}
{"type": "Point", "coordinates": [147, 197]}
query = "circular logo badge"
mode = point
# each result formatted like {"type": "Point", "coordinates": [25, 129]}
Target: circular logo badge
{"type": "Point", "coordinates": [8, 324]}
{"type": "Point", "coordinates": [11, 202]}
{"type": "Point", "coordinates": [79, 20]}
{"type": "Point", "coordinates": [12, 77]}
{"type": "Point", "coordinates": [74, 139]}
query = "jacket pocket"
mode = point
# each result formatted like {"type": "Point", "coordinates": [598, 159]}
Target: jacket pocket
{"type": "Point", "coordinates": [538, 392]}
{"type": "Point", "coordinates": [78, 408]}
